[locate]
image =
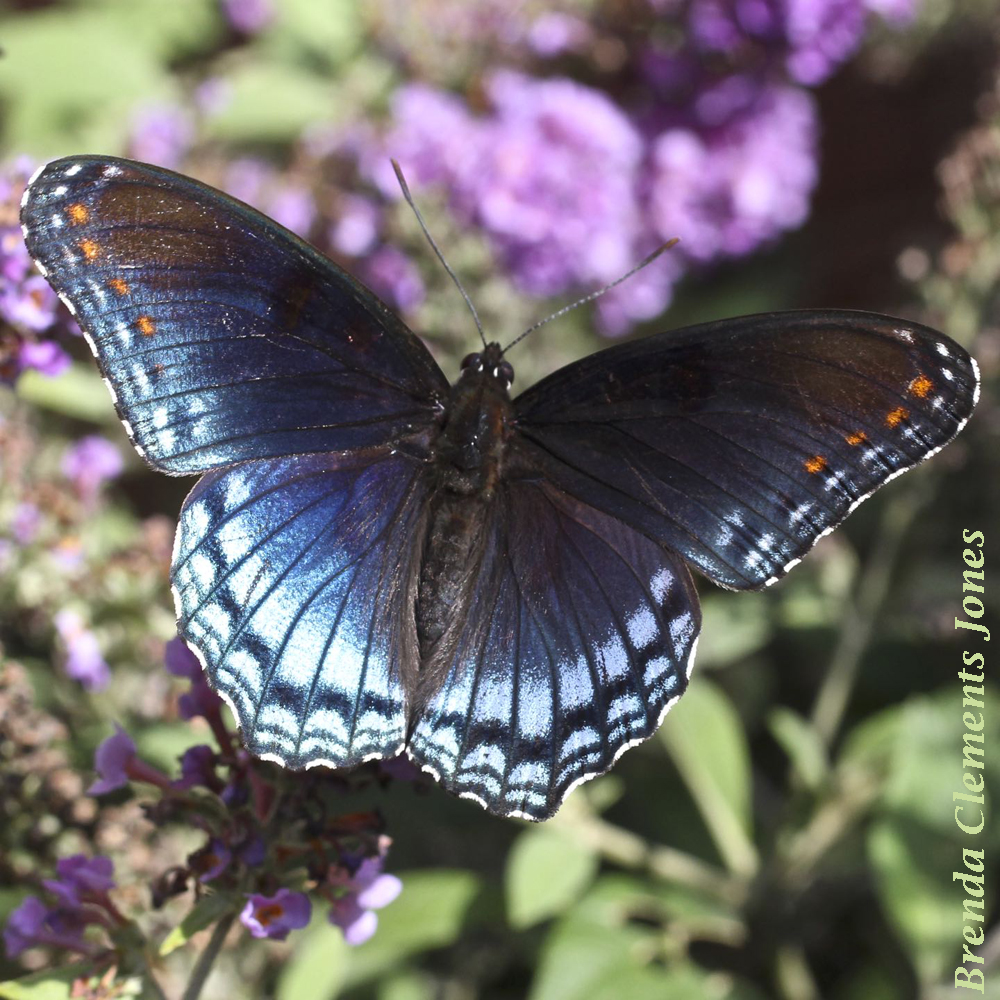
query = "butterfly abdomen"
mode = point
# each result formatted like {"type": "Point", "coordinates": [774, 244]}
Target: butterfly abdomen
{"type": "Point", "coordinates": [468, 460]}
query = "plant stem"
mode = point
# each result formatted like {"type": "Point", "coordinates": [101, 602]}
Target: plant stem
{"type": "Point", "coordinates": [151, 983]}
{"type": "Point", "coordinates": [207, 958]}
{"type": "Point", "coordinates": [859, 619]}
{"type": "Point", "coordinates": [631, 851]}
{"type": "Point", "coordinates": [795, 980]}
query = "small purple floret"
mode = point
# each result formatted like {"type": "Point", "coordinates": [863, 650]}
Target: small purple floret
{"type": "Point", "coordinates": [248, 16]}
{"type": "Point", "coordinates": [198, 768]}
{"type": "Point", "coordinates": [44, 356]}
{"type": "Point", "coordinates": [214, 860]}
{"type": "Point", "coordinates": [89, 463]}
{"type": "Point", "coordinates": [368, 889]}
{"type": "Point", "coordinates": [111, 761]}
{"type": "Point", "coordinates": [180, 661]}
{"type": "Point", "coordinates": [84, 661]}
{"type": "Point", "coordinates": [32, 923]}
{"type": "Point", "coordinates": [24, 926]}
{"type": "Point", "coordinates": [274, 916]}
{"type": "Point", "coordinates": [357, 923]}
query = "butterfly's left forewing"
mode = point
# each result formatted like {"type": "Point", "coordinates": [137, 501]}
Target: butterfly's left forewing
{"type": "Point", "coordinates": [739, 443]}
{"type": "Point", "coordinates": [222, 336]}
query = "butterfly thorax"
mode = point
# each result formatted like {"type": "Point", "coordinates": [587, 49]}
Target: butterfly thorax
{"type": "Point", "coordinates": [467, 465]}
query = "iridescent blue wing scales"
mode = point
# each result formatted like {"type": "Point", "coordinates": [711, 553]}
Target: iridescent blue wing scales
{"type": "Point", "coordinates": [222, 336]}
{"type": "Point", "coordinates": [589, 637]}
{"type": "Point", "coordinates": [739, 443]}
{"type": "Point", "coordinates": [293, 578]}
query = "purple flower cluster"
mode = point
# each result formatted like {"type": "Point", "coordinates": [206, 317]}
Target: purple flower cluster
{"type": "Point", "coordinates": [81, 892]}
{"type": "Point", "coordinates": [89, 463]}
{"type": "Point", "coordinates": [243, 819]}
{"type": "Point", "coordinates": [572, 193]}
{"type": "Point", "coordinates": [161, 134]}
{"type": "Point", "coordinates": [28, 306]}
{"type": "Point", "coordinates": [248, 16]}
{"type": "Point", "coordinates": [811, 37]}
{"type": "Point", "coordinates": [728, 190]}
{"type": "Point", "coordinates": [550, 175]}
{"type": "Point", "coordinates": [572, 189]}
{"type": "Point", "coordinates": [260, 184]}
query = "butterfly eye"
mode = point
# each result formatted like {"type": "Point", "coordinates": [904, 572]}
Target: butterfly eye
{"type": "Point", "coordinates": [505, 371]}
{"type": "Point", "coordinates": [472, 361]}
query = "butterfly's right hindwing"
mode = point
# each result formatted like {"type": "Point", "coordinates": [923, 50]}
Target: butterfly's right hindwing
{"type": "Point", "coordinates": [293, 579]}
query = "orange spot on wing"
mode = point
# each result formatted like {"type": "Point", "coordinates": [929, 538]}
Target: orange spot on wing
{"type": "Point", "coordinates": [815, 464]}
{"type": "Point", "coordinates": [146, 326]}
{"type": "Point", "coordinates": [90, 249]}
{"type": "Point", "coordinates": [858, 437]}
{"type": "Point", "coordinates": [921, 385]}
{"type": "Point", "coordinates": [119, 286]}
{"type": "Point", "coordinates": [78, 214]}
{"type": "Point", "coordinates": [895, 417]}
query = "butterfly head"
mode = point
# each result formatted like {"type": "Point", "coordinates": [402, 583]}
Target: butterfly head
{"type": "Point", "coordinates": [488, 363]}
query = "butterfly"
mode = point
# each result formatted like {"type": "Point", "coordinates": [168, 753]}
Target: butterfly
{"type": "Point", "coordinates": [375, 561]}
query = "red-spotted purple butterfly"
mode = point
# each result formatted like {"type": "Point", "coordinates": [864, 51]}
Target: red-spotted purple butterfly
{"type": "Point", "coordinates": [375, 562]}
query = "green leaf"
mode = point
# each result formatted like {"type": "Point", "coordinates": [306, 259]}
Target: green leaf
{"type": "Point", "coordinates": [913, 867]}
{"type": "Point", "coordinates": [802, 745]}
{"type": "Point", "coordinates": [316, 969]}
{"type": "Point", "coordinates": [706, 740]}
{"type": "Point", "coordinates": [407, 985]}
{"type": "Point", "coordinates": [78, 392]}
{"type": "Point", "coordinates": [330, 30]}
{"type": "Point", "coordinates": [429, 913]}
{"type": "Point", "coordinates": [604, 792]}
{"type": "Point", "coordinates": [162, 743]}
{"type": "Point", "coordinates": [269, 102]}
{"type": "Point", "coordinates": [50, 984]}
{"type": "Point", "coordinates": [599, 952]}
{"type": "Point", "coordinates": [175, 30]}
{"type": "Point", "coordinates": [546, 871]}
{"type": "Point", "coordinates": [580, 951]}
{"type": "Point", "coordinates": [926, 761]}
{"type": "Point", "coordinates": [205, 912]}
{"type": "Point", "coordinates": [916, 748]}
{"type": "Point", "coordinates": [732, 630]}
{"type": "Point", "coordinates": [69, 79]}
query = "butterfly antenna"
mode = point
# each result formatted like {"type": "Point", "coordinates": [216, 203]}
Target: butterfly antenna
{"type": "Point", "coordinates": [593, 295]}
{"type": "Point", "coordinates": [430, 239]}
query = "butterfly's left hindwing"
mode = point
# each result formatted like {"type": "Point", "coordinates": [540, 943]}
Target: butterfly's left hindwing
{"type": "Point", "coordinates": [222, 336]}
{"type": "Point", "coordinates": [293, 579]}
{"type": "Point", "coordinates": [739, 443]}
{"type": "Point", "coordinates": [582, 636]}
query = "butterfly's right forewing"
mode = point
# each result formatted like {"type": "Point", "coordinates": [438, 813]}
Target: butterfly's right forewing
{"type": "Point", "coordinates": [294, 579]}
{"type": "Point", "coordinates": [739, 443]}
